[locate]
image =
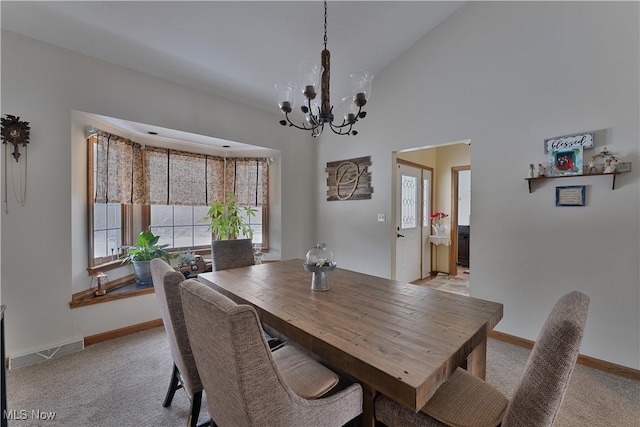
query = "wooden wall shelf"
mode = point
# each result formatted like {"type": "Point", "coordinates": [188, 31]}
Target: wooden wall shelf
{"type": "Point", "coordinates": [540, 179]}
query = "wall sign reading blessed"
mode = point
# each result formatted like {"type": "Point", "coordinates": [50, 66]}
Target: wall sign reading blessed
{"type": "Point", "coordinates": [349, 179]}
{"type": "Point", "coordinates": [567, 141]}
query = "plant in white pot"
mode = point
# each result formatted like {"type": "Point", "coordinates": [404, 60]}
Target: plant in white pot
{"type": "Point", "coordinates": [228, 222]}
{"type": "Point", "coordinates": [141, 254]}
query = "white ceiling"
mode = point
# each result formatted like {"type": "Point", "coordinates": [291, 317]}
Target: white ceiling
{"type": "Point", "coordinates": [235, 49]}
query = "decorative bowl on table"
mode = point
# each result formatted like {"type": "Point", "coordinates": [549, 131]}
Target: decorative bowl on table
{"type": "Point", "coordinates": [319, 261]}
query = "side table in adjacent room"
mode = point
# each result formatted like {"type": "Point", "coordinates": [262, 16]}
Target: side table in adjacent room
{"type": "Point", "coordinates": [435, 241]}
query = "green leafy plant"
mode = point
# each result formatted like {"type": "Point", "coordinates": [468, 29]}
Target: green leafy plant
{"type": "Point", "coordinates": [146, 249]}
{"type": "Point", "coordinates": [185, 258]}
{"type": "Point", "coordinates": [226, 221]}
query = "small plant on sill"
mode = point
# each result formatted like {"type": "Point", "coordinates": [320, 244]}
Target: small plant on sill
{"type": "Point", "coordinates": [141, 254]}
{"type": "Point", "coordinates": [146, 249]}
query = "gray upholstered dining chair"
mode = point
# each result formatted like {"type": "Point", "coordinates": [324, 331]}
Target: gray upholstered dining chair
{"type": "Point", "coordinates": [234, 253]}
{"type": "Point", "coordinates": [467, 401]}
{"type": "Point", "coordinates": [246, 383]}
{"type": "Point", "coordinates": [185, 375]}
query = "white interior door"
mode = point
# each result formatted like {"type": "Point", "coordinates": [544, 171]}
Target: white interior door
{"type": "Point", "coordinates": [408, 223]}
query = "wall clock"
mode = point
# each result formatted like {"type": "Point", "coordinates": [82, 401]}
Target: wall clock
{"type": "Point", "coordinates": [15, 132]}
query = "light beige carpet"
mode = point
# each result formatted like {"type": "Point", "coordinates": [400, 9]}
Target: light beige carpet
{"type": "Point", "coordinates": [122, 383]}
{"type": "Point", "coordinates": [593, 398]}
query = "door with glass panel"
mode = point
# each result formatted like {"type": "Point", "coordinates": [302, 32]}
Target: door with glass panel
{"type": "Point", "coordinates": [408, 223]}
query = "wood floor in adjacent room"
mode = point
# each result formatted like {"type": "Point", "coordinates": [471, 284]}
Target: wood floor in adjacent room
{"type": "Point", "coordinates": [458, 284]}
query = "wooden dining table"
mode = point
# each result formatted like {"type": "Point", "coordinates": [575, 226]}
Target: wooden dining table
{"type": "Point", "coordinates": [398, 339]}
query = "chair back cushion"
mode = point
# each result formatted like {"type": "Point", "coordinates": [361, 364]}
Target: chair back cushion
{"type": "Point", "coordinates": [166, 282]}
{"type": "Point", "coordinates": [545, 377]}
{"type": "Point", "coordinates": [238, 373]}
{"type": "Point", "coordinates": [226, 254]}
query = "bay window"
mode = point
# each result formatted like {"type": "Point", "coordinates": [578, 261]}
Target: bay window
{"type": "Point", "coordinates": [131, 187]}
{"type": "Point", "coordinates": [107, 231]}
{"type": "Point", "coordinates": [180, 226]}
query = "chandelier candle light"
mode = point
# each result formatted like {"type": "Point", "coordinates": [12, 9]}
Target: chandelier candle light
{"type": "Point", "coordinates": [317, 114]}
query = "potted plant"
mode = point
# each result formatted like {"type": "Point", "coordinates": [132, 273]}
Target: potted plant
{"type": "Point", "coordinates": [140, 255]}
{"type": "Point", "coordinates": [226, 221]}
{"type": "Point", "coordinates": [186, 259]}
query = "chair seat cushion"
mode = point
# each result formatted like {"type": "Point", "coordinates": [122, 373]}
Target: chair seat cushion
{"type": "Point", "coordinates": [392, 414]}
{"type": "Point", "coordinates": [467, 401]}
{"type": "Point", "coordinates": [306, 377]}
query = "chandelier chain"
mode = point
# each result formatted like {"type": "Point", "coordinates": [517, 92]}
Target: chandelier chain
{"type": "Point", "coordinates": [325, 25]}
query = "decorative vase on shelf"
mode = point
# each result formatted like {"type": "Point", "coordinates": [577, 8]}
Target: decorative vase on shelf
{"type": "Point", "coordinates": [439, 230]}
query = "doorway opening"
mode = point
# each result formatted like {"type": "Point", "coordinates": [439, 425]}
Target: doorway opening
{"type": "Point", "coordinates": [459, 259]}
{"type": "Point", "coordinates": [448, 191]}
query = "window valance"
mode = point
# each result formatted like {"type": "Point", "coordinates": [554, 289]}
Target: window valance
{"type": "Point", "coordinates": [126, 172]}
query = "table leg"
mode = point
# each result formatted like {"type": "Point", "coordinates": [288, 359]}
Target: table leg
{"type": "Point", "coordinates": [368, 410]}
{"type": "Point", "coordinates": [477, 360]}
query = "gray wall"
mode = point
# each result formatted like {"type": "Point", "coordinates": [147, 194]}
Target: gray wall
{"type": "Point", "coordinates": [507, 75]}
{"type": "Point", "coordinates": [44, 243]}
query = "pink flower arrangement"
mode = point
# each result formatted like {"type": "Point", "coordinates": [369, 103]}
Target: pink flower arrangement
{"type": "Point", "coordinates": [438, 216]}
{"type": "Point", "coordinates": [438, 229]}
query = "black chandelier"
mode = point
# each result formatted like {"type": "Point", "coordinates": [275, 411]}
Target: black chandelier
{"type": "Point", "coordinates": [317, 114]}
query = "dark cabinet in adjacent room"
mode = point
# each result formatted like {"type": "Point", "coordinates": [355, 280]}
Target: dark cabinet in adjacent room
{"type": "Point", "coordinates": [463, 245]}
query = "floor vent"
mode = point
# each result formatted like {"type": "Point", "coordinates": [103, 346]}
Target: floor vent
{"type": "Point", "coordinates": [46, 354]}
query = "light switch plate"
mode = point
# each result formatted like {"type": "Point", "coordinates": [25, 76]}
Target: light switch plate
{"type": "Point", "coordinates": [381, 218]}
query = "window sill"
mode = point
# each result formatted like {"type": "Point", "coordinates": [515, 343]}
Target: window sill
{"type": "Point", "coordinates": [117, 262]}
{"type": "Point", "coordinates": [111, 265]}
{"type": "Point", "coordinates": [122, 288]}
{"type": "Point", "coordinates": [125, 287]}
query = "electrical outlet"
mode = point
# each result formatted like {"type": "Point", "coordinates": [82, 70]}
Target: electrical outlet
{"type": "Point", "coordinates": [381, 218]}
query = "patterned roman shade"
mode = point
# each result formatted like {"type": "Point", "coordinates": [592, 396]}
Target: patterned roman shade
{"type": "Point", "coordinates": [124, 172]}
{"type": "Point", "coordinates": [248, 178]}
{"type": "Point", "coordinates": [156, 166]}
{"type": "Point", "coordinates": [118, 174]}
{"type": "Point", "coordinates": [215, 178]}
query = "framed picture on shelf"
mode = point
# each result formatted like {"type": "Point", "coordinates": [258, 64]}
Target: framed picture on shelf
{"type": "Point", "coordinates": [566, 161]}
{"type": "Point", "coordinates": [572, 195]}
